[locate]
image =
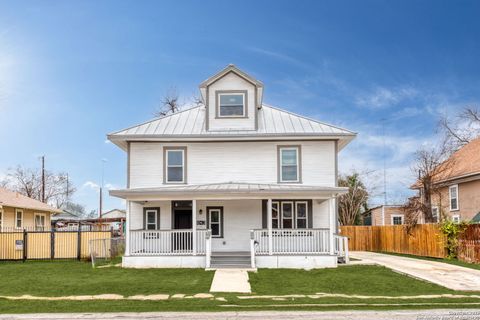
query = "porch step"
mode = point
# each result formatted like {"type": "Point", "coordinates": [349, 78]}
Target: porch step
{"type": "Point", "coordinates": [222, 260]}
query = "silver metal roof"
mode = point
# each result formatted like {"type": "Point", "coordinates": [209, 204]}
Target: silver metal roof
{"type": "Point", "coordinates": [190, 123]}
{"type": "Point", "coordinates": [230, 188]}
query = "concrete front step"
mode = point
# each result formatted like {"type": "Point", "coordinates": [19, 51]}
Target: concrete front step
{"type": "Point", "coordinates": [230, 260]}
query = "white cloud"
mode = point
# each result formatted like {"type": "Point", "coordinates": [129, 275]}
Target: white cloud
{"type": "Point", "coordinates": [91, 185]}
{"type": "Point", "coordinates": [382, 97]}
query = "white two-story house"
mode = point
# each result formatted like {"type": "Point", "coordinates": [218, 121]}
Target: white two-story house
{"type": "Point", "coordinates": [232, 183]}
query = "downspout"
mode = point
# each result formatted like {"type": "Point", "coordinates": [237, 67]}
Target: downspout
{"type": "Point", "coordinates": [383, 215]}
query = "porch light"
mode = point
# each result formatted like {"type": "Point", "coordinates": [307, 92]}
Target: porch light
{"type": "Point", "coordinates": [200, 212]}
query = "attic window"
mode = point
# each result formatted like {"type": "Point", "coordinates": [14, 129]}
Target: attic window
{"type": "Point", "coordinates": [231, 105]}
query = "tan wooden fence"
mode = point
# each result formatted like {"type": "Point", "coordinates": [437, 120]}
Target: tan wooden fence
{"type": "Point", "coordinates": [423, 240]}
{"type": "Point", "coordinates": [469, 244]}
{"type": "Point", "coordinates": [39, 245]}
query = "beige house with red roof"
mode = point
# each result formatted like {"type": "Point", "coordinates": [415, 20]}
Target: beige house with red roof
{"type": "Point", "coordinates": [18, 212]}
{"type": "Point", "coordinates": [458, 197]}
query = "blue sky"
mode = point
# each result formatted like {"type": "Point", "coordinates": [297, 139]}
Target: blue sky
{"type": "Point", "coordinates": [71, 72]}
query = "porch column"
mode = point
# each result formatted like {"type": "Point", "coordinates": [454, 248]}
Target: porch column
{"type": "Point", "coordinates": [194, 226]}
{"type": "Point", "coordinates": [269, 226]}
{"type": "Point", "coordinates": [127, 229]}
{"type": "Point", "coordinates": [331, 214]}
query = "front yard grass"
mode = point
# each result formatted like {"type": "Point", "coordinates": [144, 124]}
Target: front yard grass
{"type": "Point", "coordinates": [54, 279]}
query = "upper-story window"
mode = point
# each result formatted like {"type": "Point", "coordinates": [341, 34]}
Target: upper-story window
{"type": "Point", "coordinates": [175, 159]}
{"type": "Point", "coordinates": [453, 190]}
{"type": "Point", "coordinates": [289, 164]}
{"type": "Point", "coordinates": [231, 104]}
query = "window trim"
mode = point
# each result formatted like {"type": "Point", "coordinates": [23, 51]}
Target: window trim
{"type": "Point", "coordinates": [279, 215]}
{"type": "Point", "coordinates": [397, 216]}
{"type": "Point", "coordinates": [218, 93]}
{"type": "Point", "coordinates": [1, 220]}
{"type": "Point", "coordinates": [166, 150]}
{"type": "Point", "coordinates": [156, 210]}
{"type": "Point", "coordinates": [438, 212]}
{"type": "Point", "coordinates": [17, 211]}
{"type": "Point", "coordinates": [38, 214]}
{"type": "Point", "coordinates": [293, 213]}
{"type": "Point", "coordinates": [220, 223]}
{"type": "Point", "coordinates": [299, 163]}
{"type": "Point", "coordinates": [306, 214]}
{"type": "Point", "coordinates": [450, 197]}
{"type": "Point", "coordinates": [456, 216]}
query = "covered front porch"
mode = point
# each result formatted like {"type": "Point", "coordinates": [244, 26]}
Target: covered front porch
{"type": "Point", "coordinates": [232, 225]}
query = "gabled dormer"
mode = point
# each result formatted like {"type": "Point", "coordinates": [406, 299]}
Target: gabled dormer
{"type": "Point", "coordinates": [232, 99]}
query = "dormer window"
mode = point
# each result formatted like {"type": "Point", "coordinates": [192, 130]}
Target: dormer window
{"type": "Point", "coordinates": [231, 104]}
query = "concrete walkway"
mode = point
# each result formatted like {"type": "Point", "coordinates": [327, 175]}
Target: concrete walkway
{"type": "Point", "coordinates": [444, 274]}
{"type": "Point", "coordinates": [263, 315]}
{"type": "Point", "coordinates": [231, 280]}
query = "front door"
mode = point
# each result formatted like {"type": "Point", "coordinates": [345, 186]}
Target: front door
{"type": "Point", "coordinates": [182, 220]}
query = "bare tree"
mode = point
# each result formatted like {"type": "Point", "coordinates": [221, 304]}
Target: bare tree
{"type": "Point", "coordinates": [432, 166]}
{"type": "Point", "coordinates": [351, 204]}
{"type": "Point", "coordinates": [169, 104]}
{"type": "Point", "coordinates": [29, 183]}
{"type": "Point", "coordinates": [462, 128]}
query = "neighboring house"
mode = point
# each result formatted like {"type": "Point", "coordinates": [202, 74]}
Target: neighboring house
{"type": "Point", "coordinates": [66, 220]}
{"type": "Point", "coordinates": [207, 185]}
{"type": "Point", "coordinates": [458, 185]}
{"type": "Point", "coordinates": [386, 215]}
{"type": "Point", "coordinates": [18, 212]}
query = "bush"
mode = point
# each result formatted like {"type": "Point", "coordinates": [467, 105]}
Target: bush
{"type": "Point", "coordinates": [452, 232]}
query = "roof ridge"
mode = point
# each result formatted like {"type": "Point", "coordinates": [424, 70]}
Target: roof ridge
{"type": "Point", "coordinates": [155, 119]}
{"type": "Point", "coordinates": [307, 118]}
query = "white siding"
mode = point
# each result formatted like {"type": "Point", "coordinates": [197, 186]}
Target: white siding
{"type": "Point", "coordinates": [217, 162]}
{"type": "Point", "coordinates": [320, 214]}
{"type": "Point", "coordinates": [231, 81]}
{"type": "Point", "coordinates": [146, 165]}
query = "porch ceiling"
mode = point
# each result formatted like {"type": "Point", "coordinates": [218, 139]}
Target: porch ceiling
{"type": "Point", "coordinates": [229, 190]}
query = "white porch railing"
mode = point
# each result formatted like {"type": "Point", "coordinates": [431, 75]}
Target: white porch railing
{"type": "Point", "coordinates": [167, 242]}
{"type": "Point", "coordinates": [292, 241]}
{"type": "Point", "coordinates": [341, 247]}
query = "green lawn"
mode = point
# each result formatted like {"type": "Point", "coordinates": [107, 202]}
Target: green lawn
{"type": "Point", "coordinates": [450, 261]}
{"type": "Point", "coordinates": [78, 278]}
{"type": "Point", "coordinates": [45, 278]}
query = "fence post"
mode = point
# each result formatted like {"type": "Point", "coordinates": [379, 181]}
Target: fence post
{"type": "Point", "coordinates": [79, 242]}
{"type": "Point", "coordinates": [25, 237]}
{"type": "Point", "coordinates": [52, 244]}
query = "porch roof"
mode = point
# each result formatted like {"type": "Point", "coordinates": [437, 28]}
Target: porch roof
{"type": "Point", "coordinates": [229, 190]}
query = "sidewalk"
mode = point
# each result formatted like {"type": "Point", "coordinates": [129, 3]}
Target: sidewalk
{"type": "Point", "coordinates": [264, 315]}
{"type": "Point", "coordinates": [444, 274]}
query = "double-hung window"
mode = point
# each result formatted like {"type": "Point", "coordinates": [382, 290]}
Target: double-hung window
{"type": "Point", "coordinates": [215, 221]}
{"type": "Point", "coordinates": [275, 215]}
{"type": "Point", "coordinates": [397, 219]}
{"type": "Point", "coordinates": [175, 159]}
{"type": "Point", "coordinates": [231, 104]}
{"type": "Point", "coordinates": [301, 214]}
{"type": "Point", "coordinates": [151, 219]}
{"type": "Point", "coordinates": [289, 163]}
{"type": "Point", "coordinates": [435, 214]}
{"type": "Point", "coordinates": [18, 219]}
{"type": "Point", "coordinates": [39, 222]}
{"type": "Point", "coordinates": [453, 190]}
{"type": "Point", "coordinates": [287, 215]}
{"type": "Point", "coordinates": [1, 220]}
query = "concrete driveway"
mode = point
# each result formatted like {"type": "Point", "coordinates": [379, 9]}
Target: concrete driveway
{"type": "Point", "coordinates": [444, 274]}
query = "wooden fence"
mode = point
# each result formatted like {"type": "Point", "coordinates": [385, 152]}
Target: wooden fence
{"type": "Point", "coordinates": [40, 245]}
{"type": "Point", "coordinates": [423, 240]}
{"type": "Point", "coordinates": [469, 244]}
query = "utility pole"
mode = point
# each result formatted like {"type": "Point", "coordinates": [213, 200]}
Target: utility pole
{"type": "Point", "coordinates": [100, 211]}
{"type": "Point", "coordinates": [43, 178]}
{"type": "Point", "coordinates": [384, 164]}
